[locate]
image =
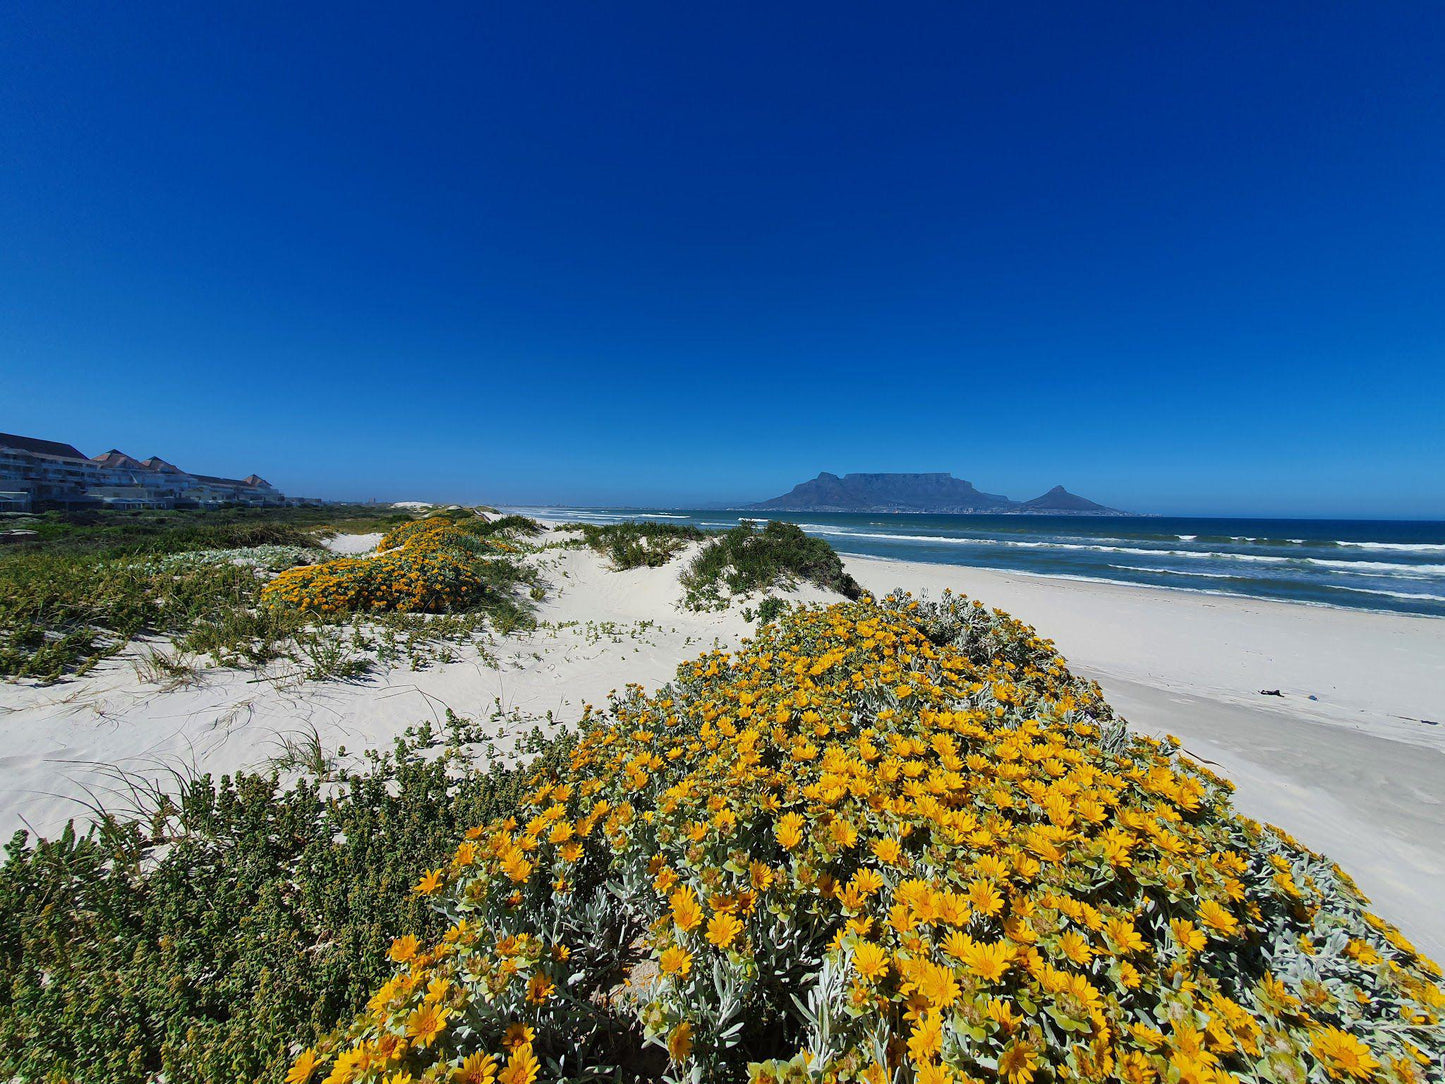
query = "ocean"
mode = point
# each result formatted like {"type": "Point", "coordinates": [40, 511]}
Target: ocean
{"type": "Point", "coordinates": [1397, 566]}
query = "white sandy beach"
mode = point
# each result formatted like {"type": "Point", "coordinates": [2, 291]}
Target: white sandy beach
{"type": "Point", "coordinates": [1356, 773]}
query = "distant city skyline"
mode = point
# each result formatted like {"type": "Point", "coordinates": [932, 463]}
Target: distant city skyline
{"type": "Point", "coordinates": [1179, 260]}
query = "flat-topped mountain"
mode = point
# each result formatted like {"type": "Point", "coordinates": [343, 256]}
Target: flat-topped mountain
{"type": "Point", "coordinates": [941, 493]}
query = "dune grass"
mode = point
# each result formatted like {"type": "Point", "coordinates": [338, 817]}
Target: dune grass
{"type": "Point", "coordinates": [747, 559]}
{"type": "Point", "coordinates": [637, 543]}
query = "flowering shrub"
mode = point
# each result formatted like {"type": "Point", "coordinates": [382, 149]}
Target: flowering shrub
{"type": "Point", "coordinates": [427, 566]}
{"type": "Point", "coordinates": [888, 841]}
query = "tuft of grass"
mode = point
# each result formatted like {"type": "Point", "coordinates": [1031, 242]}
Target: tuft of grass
{"type": "Point", "coordinates": [328, 656]}
{"type": "Point", "coordinates": [747, 559]}
{"type": "Point", "coordinates": [635, 544]}
{"type": "Point", "coordinates": [64, 611]}
{"type": "Point", "coordinates": [173, 670]}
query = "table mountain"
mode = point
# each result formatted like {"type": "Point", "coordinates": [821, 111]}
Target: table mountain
{"type": "Point", "coordinates": [941, 493]}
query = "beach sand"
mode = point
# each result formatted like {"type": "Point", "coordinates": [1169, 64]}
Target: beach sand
{"type": "Point", "coordinates": [1356, 773]}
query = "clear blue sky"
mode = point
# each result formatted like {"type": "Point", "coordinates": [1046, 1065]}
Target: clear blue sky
{"type": "Point", "coordinates": [1179, 257]}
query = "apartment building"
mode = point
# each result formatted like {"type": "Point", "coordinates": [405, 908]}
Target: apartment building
{"type": "Point", "coordinates": [37, 474]}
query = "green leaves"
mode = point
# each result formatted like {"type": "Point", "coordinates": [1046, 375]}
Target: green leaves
{"type": "Point", "coordinates": [255, 916]}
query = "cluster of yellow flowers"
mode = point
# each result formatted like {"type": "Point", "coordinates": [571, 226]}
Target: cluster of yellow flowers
{"type": "Point", "coordinates": [427, 566]}
{"type": "Point", "coordinates": [889, 841]}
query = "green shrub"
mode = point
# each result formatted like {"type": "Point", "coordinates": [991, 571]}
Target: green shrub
{"type": "Point", "coordinates": [199, 944]}
{"type": "Point", "coordinates": [636, 544]}
{"type": "Point", "coordinates": [747, 559]}
{"type": "Point", "coordinates": [64, 611]}
{"type": "Point", "coordinates": [770, 609]}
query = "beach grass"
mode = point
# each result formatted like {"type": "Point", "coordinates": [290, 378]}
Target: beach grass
{"type": "Point", "coordinates": [747, 559]}
{"type": "Point", "coordinates": [637, 543]}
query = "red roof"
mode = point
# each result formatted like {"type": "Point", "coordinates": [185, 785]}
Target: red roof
{"type": "Point", "coordinates": [117, 458]}
{"type": "Point", "coordinates": [40, 447]}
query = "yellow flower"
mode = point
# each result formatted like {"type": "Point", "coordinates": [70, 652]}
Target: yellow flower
{"type": "Point", "coordinates": [887, 851]}
{"type": "Point", "coordinates": [1076, 947]}
{"type": "Point", "coordinates": [984, 898]}
{"type": "Point", "coordinates": [516, 866]}
{"type": "Point", "coordinates": [478, 1068]}
{"type": "Point", "coordinates": [1017, 1063]}
{"type": "Point", "coordinates": [870, 961]}
{"type": "Point", "coordinates": [679, 1042]}
{"type": "Point", "coordinates": [302, 1068]}
{"type": "Point", "coordinates": [789, 830]}
{"type": "Point", "coordinates": [722, 928]}
{"type": "Point", "coordinates": [686, 910]}
{"type": "Point", "coordinates": [426, 1023]}
{"type": "Point", "coordinates": [1189, 936]}
{"type": "Point", "coordinates": [675, 961]}
{"type": "Point", "coordinates": [1123, 936]}
{"type": "Point", "coordinates": [1217, 918]}
{"type": "Point", "coordinates": [539, 988]}
{"type": "Point", "coordinates": [430, 882]}
{"type": "Point", "coordinates": [517, 1036]}
{"type": "Point", "coordinates": [404, 949]}
{"type": "Point", "coordinates": [987, 960]}
{"type": "Point", "coordinates": [1342, 1054]}
{"type": "Point", "coordinates": [522, 1067]}
{"type": "Point", "coordinates": [937, 985]}
{"type": "Point", "coordinates": [926, 1039]}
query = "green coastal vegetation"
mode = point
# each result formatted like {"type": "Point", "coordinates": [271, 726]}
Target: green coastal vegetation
{"type": "Point", "coordinates": [194, 938]}
{"type": "Point", "coordinates": [248, 587]}
{"type": "Point", "coordinates": [739, 561]}
{"type": "Point", "coordinates": [78, 587]}
{"type": "Point", "coordinates": [886, 840]}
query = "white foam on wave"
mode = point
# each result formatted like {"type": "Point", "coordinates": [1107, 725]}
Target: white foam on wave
{"type": "Point", "coordinates": [1371, 568]}
{"type": "Point", "coordinates": [1403, 547]}
{"type": "Point", "coordinates": [1392, 594]}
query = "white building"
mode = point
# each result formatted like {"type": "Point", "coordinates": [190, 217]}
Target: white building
{"type": "Point", "coordinates": [46, 472]}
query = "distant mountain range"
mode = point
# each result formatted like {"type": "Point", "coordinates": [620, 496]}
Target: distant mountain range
{"type": "Point", "coordinates": [941, 493]}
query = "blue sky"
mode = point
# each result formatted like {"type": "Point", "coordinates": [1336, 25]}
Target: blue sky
{"type": "Point", "coordinates": [1179, 257]}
